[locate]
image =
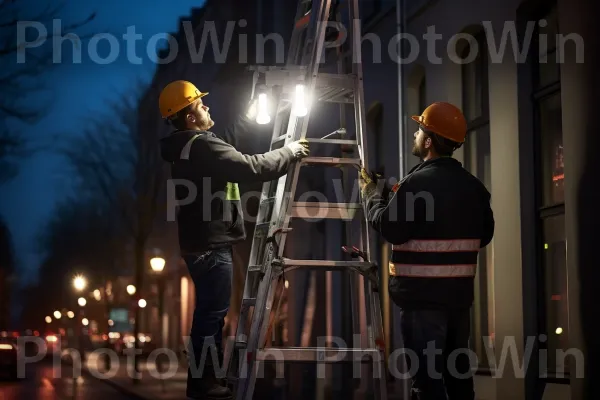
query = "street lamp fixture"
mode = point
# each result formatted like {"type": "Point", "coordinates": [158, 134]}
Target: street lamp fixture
{"type": "Point", "coordinates": [71, 314]}
{"type": "Point", "coordinates": [57, 314]}
{"type": "Point", "coordinates": [130, 290]}
{"type": "Point", "coordinates": [97, 295]}
{"type": "Point", "coordinates": [79, 283]}
{"type": "Point", "coordinates": [82, 301]}
{"type": "Point", "coordinates": [48, 319]}
{"type": "Point", "coordinates": [142, 303]}
{"type": "Point", "coordinates": [85, 322]}
{"type": "Point", "coordinates": [157, 264]}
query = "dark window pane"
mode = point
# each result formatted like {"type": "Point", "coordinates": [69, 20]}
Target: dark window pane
{"type": "Point", "coordinates": [548, 70]}
{"type": "Point", "coordinates": [471, 91]}
{"type": "Point", "coordinates": [422, 95]}
{"type": "Point", "coordinates": [474, 76]}
{"type": "Point", "coordinates": [552, 150]}
{"type": "Point", "coordinates": [555, 277]}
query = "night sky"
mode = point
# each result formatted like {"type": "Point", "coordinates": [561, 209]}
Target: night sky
{"type": "Point", "coordinates": [74, 92]}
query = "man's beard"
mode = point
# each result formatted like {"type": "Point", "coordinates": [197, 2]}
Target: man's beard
{"type": "Point", "coordinates": [416, 150]}
{"type": "Point", "coordinates": [207, 123]}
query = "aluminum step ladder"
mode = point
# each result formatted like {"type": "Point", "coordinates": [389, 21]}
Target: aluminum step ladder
{"type": "Point", "coordinates": [278, 208]}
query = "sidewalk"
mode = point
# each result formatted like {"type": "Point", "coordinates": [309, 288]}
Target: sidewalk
{"type": "Point", "coordinates": [149, 387]}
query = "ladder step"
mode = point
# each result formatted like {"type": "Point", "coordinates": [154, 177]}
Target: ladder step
{"type": "Point", "coordinates": [341, 81]}
{"type": "Point", "coordinates": [249, 301]}
{"type": "Point", "coordinates": [334, 141]}
{"type": "Point", "coordinates": [327, 264]}
{"type": "Point", "coordinates": [331, 355]}
{"type": "Point", "coordinates": [331, 160]}
{"type": "Point", "coordinates": [319, 210]}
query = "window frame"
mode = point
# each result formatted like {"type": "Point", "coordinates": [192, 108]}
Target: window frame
{"type": "Point", "coordinates": [543, 212]}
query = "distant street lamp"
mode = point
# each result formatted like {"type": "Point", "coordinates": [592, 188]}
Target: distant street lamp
{"type": "Point", "coordinates": [79, 283]}
{"type": "Point", "coordinates": [130, 290]}
{"type": "Point", "coordinates": [142, 303]}
{"type": "Point", "coordinates": [97, 295]}
{"type": "Point", "coordinates": [85, 322]}
{"type": "Point", "coordinates": [71, 314]}
{"type": "Point", "coordinates": [157, 264]}
{"type": "Point", "coordinates": [57, 314]}
{"type": "Point", "coordinates": [48, 319]}
{"type": "Point", "coordinates": [82, 301]}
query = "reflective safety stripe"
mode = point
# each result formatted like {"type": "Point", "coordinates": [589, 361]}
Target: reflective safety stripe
{"type": "Point", "coordinates": [433, 271]}
{"type": "Point", "coordinates": [185, 152]}
{"type": "Point", "coordinates": [438, 246]}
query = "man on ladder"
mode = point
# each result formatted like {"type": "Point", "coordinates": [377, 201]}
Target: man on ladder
{"type": "Point", "coordinates": [209, 225]}
{"type": "Point", "coordinates": [437, 220]}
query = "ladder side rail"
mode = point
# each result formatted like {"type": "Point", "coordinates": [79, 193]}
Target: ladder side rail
{"type": "Point", "coordinates": [253, 340]}
{"type": "Point", "coordinates": [310, 82]}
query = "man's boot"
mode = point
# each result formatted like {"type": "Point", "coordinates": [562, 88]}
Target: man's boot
{"type": "Point", "coordinates": [204, 384]}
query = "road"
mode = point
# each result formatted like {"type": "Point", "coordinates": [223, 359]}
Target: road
{"type": "Point", "coordinates": [46, 382]}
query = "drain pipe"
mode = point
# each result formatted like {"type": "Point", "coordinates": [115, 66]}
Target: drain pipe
{"type": "Point", "coordinates": [401, 28]}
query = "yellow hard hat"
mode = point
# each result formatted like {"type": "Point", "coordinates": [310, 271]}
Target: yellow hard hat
{"type": "Point", "coordinates": [176, 96]}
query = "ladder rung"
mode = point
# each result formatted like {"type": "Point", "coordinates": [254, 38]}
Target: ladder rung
{"type": "Point", "coordinates": [341, 81]}
{"type": "Point", "coordinates": [328, 355]}
{"type": "Point", "coordinates": [319, 210]}
{"type": "Point", "coordinates": [279, 138]}
{"type": "Point", "coordinates": [254, 268]}
{"type": "Point", "coordinates": [331, 160]}
{"type": "Point", "coordinates": [328, 264]}
{"type": "Point", "coordinates": [249, 301]}
{"type": "Point", "coordinates": [334, 141]}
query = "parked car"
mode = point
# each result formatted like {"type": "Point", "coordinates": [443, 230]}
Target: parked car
{"type": "Point", "coordinates": [9, 355]}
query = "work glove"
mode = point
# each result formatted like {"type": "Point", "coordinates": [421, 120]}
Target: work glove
{"type": "Point", "coordinates": [367, 181]}
{"type": "Point", "coordinates": [299, 148]}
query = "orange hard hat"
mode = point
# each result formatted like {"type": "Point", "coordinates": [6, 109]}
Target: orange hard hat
{"type": "Point", "coordinates": [445, 120]}
{"type": "Point", "coordinates": [176, 96]}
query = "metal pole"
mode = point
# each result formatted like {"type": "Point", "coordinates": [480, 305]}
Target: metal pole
{"type": "Point", "coordinates": [161, 300]}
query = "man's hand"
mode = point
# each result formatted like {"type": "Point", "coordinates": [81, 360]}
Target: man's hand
{"type": "Point", "coordinates": [366, 182]}
{"type": "Point", "coordinates": [299, 148]}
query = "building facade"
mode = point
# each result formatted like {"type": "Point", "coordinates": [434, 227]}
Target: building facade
{"type": "Point", "coordinates": [530, 142]}
{"type": "Point", "coordinates": [527, 121]}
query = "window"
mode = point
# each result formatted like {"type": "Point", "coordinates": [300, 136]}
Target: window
{"type": "Point", "coordinates": [422, 95]}
{"type": "Point", "coordinates": [550, 198]}
{"type": "Point", "coordinates": [477, 159]}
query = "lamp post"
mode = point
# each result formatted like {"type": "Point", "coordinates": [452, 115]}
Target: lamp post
{"type": "Point", "coordinates": [79, 284]}
{"type": "Point", "coordinates": [158, 265]}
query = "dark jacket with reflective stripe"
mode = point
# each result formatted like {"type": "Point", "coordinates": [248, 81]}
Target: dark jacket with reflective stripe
{"type": "Point", "coordinates": [439, 210]}
{"type": "Point", "coordinates": [205, 172]}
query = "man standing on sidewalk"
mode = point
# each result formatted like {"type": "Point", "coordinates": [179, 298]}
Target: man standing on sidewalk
{"type": "Point", "coordinates": [437, 220]}
{"type": "Point", "coordinates": [210, 224]}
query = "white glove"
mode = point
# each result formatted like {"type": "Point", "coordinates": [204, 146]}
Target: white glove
{"type": "Point", "coordinates": [299, 148]}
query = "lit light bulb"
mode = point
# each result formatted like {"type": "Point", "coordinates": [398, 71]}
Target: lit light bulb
{"type": "Point", "coordinates": [300, 108]}
{"type": "Point", "coordinates": [263, 113]}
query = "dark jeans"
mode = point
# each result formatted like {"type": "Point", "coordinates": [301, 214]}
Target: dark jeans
{"type": "Point", "coordinates": [212, 275]}
{"type": "Point", "coordinates": [439, 342]}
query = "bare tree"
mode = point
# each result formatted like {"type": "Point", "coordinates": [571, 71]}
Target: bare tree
{"type": "Point", "coordinates": [84, 236]}
{"type": "Point", "coordinates": [123, 166]}
{"type": "Point", "coordinates": [19, 81]}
